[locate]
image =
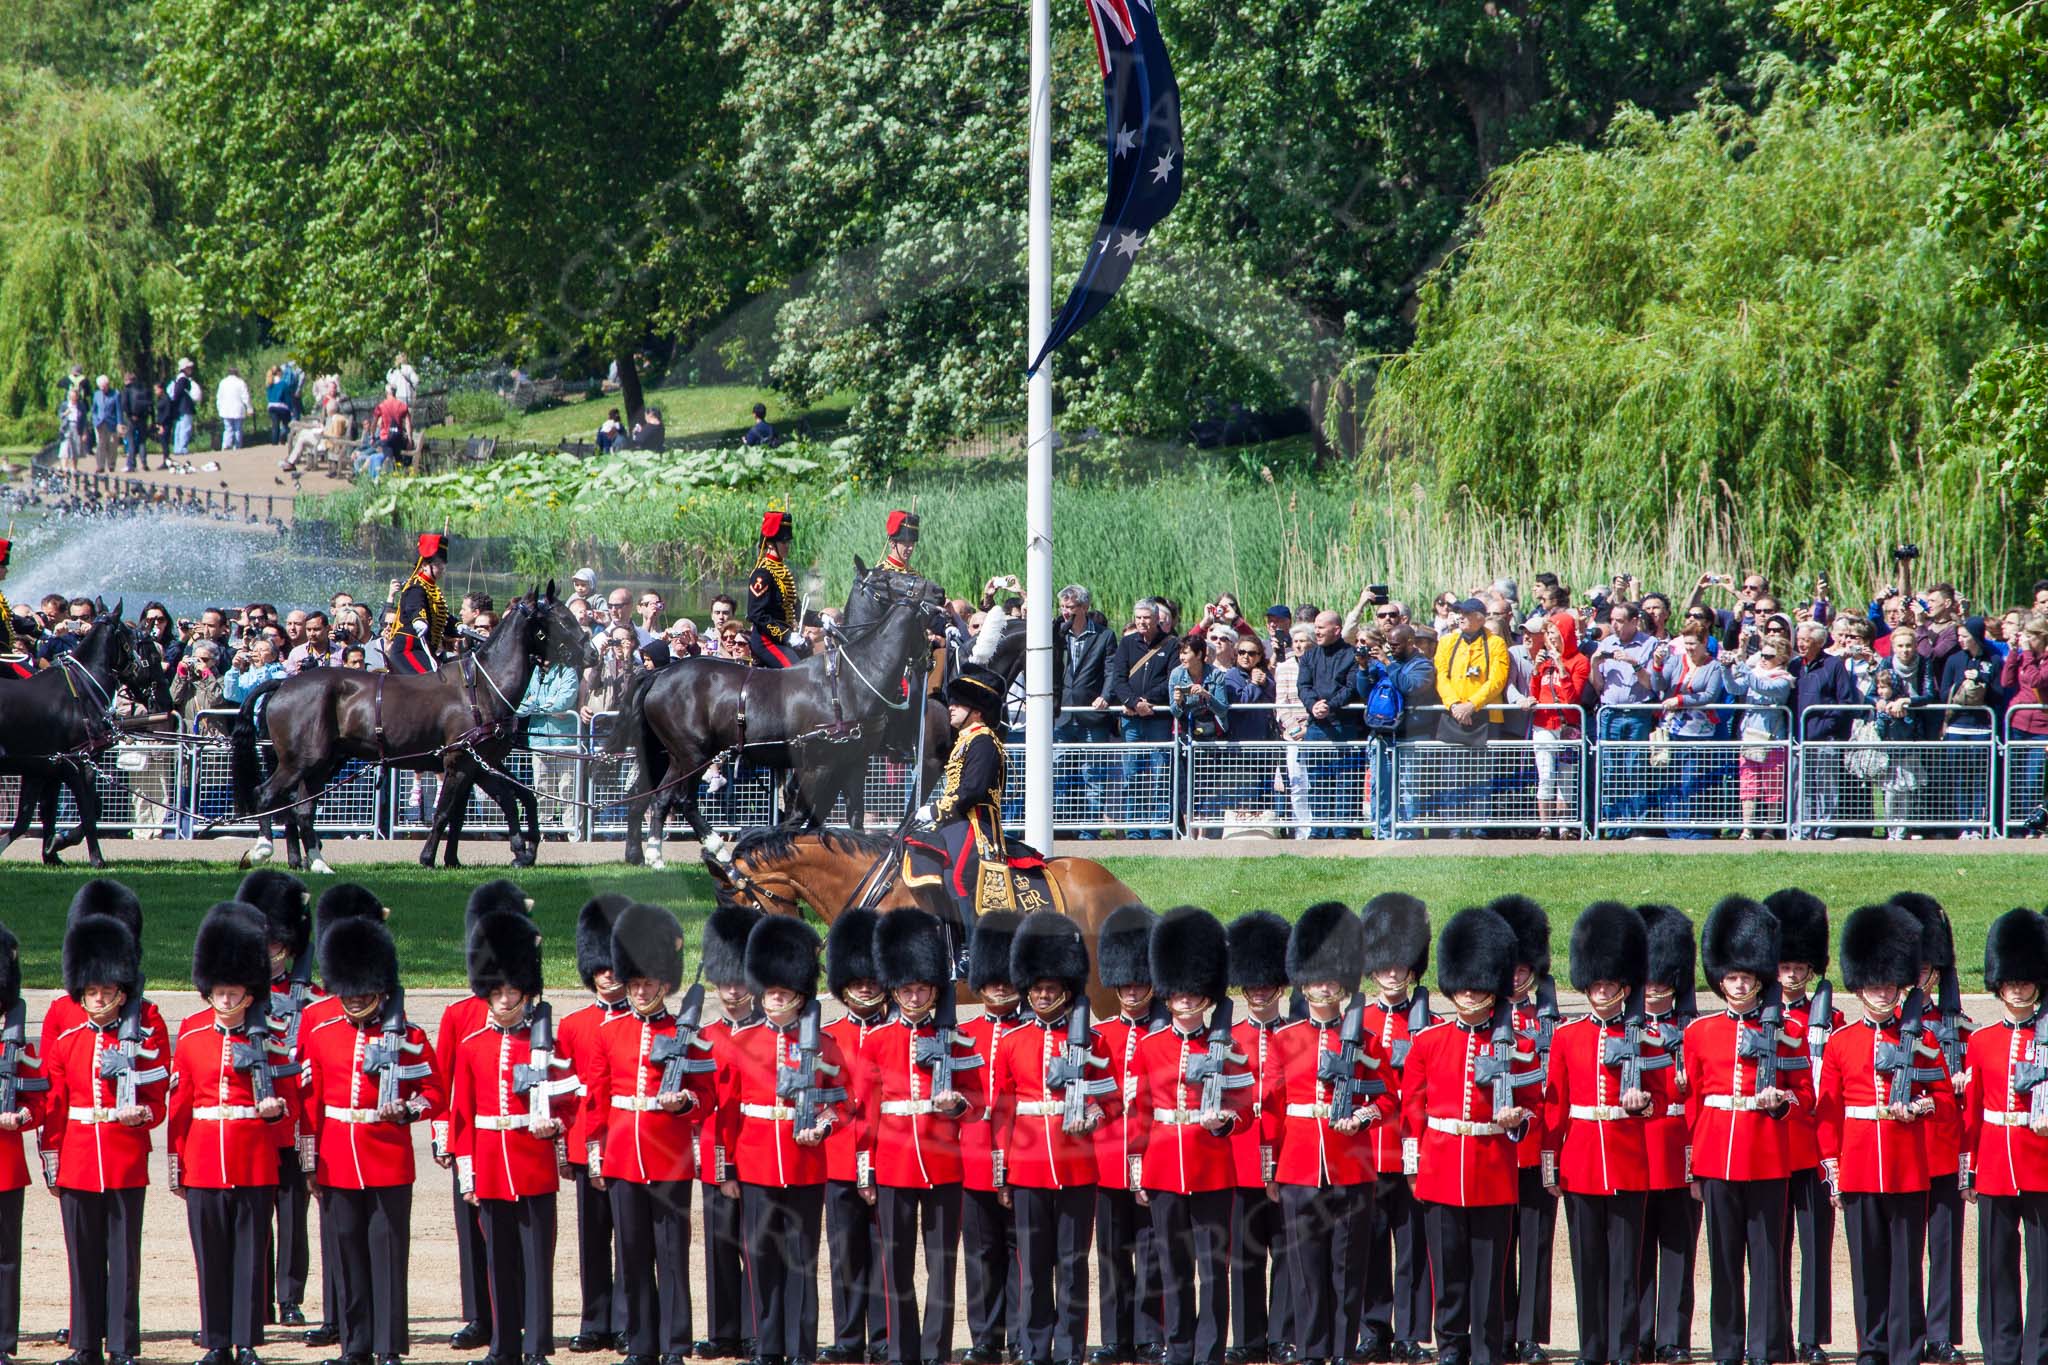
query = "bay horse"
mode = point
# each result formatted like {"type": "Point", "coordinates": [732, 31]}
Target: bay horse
{"type": "Point", "coordinates": [52, 723]}
{"type": "Point", "coordinates": [460, 721]}
{"type": "Point", "coordinates": [780, 871]}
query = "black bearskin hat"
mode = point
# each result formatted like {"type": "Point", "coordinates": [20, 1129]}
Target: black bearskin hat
{"type": "Point", "coordinates": [2016, 949]}
{"type": "Point", "coordinates": [504, 950]}
{"type": "Point", "coordinates": [782, 951]}
{"type": "Point", "coordinates": [594, 934]}
{"type": "Point", "coordinates": [1880, 947]}
{"type": "Point", "coordinates": [912, 945]}
{"type": "Point", "coordinates": [1477, 951]}
{"type": "Point", "coordinates": [357, 957]}
{"type": "Point", "coordinates": [99, 951]}
{"type": "Point", "coordinates": [1937, 940]}
{"type": "Point", "coordinates": [1327, 945]}
{"type": "Point", "coordinates": [1802, 927]}
{"type": "Point", "coordinates": [1258, 949]}
{"type": "Point", "coordinates": [1190, 954]}
{"type": "Point", "coordinates": [105, 896]}
{"type": "Point", "coordinates": [502, 894]}
{"type": "Point", "coordinates": [1396, 933]}
{"type": "Point", "coordinates": [232, 948]}
{"type": "Point", "coordinates": [1123, 951]}
{"type": "Point", "coordinates": [1674, 955]}
{"type": "Point", "coordinates": [1610, 943]}
{"type": "Point", "coordinates": [10, 971]}
{"type": "Point", "coordinates": [1532, 930]}
{"type": "Point", "coordinates": [286, 906]}
{"type": "Point", "coordinates": [1739, 936]}
{"type": "Point", "coordinates": [988, 957]}
{"type": "Point", "coordinates": [1049, 947]}
{"type": "Point", "coordinates": [850, 950]}
{"type": "Point", "coordinates": [647, 942]}
{"type": "Point", "coordinates": [723, 959]}
{"type": "Point", "coordinates": [346, 901]}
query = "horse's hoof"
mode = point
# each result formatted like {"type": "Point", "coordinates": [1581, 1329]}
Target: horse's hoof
{"type": "Point", "coordinates": [656, 862]}
{"type": "Point", "coordinates": [634, 858]}
{"type": "Point", "coordinates": [96, 860]}
{"type": "Point", "coordinates": [50, 858]}
{"type": "Point", "coordinates": [426, 859]}
{"type": "Point", "coordinates": [261, 851]}
{"type": "Point", "coordinates": [6, 842]}
{"type": "Point", "coordinates": [319, 868]}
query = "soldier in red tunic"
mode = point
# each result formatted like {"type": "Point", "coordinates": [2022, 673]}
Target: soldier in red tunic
{"type": "Point", "coordinates": [1671, 1216]}
{"type": "Point", "coordinates": [100, 896]}
{"type": "Point", "coordinates": [1606, 1079]}
{"type": "Point", "coordinates": [602, 1323]}
{"type": "Point", "coordinates": [728, 1307]}
{"type": "Point", "coordinates": [1126, 1257]}
{"type": "Point", "coordinates": [30, 1101]}
{"type": "Point", "coordinates": [1048, 1161]}
{"type": "Point", "coordinates": [1458, 1142]}
{"type": "Point", "coordinates": [1803, 939]}
{"type": "Point", "coordinates": [109, 1080]}
{"type": "Point", "coordinates": [1741, 1153]}
{"type": "Point", "coordinates": [908, 1116]}
{"type": "Point", "coordinates": [1944, 1131]}
{"type": "Point", "coordinates": [1397, 1294]}
{"type": "Point", "coordinates": [2005, 1166]}
{"type": "Point", "coordinates": [1536, 1014]}
{"type": "Point", "coordinates": [859, 1317]}
{"type": "Point", "coordinates": [1261, 1319]}
{"type": "Point", "coordinates": [988, 1234]}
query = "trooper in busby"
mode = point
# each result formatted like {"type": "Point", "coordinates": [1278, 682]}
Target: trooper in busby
{"type": "Point", "coordinates": [1671, 1216]}
{"type": "Point", "coordinates": [23, 1102]}
{"type": "Point", "coordinates": [988, 1230]}
{"type": "Point", "coordinates": [1397, 1294]}
{"type": "Point", "coordinates": [722, 965]}
{"type": "Point", "coordinates": [1126, 1257]}
{"type": "Point", "coordinates": [2006, 1162]}
{"type": "Point", "coordinates": [99, 896]}
{"type": "Point", "coordinates": [234, 1088]}
{"type": "Point", "coordinates": [771, 595]}
{"type": "Point", "coordinates": [1874, 1096]}
{"type": "Point", "coordinates": [1747, 1068]}
{"type": "Point", "coordinates": [1261, 1314]}
{"type": "Point", "coordinates": [859, 1317]}
{"type": "Point", "coordinates": [915, 1080]}
{"type": "Point", "coordinates": [369, 1075]}
{"type": "Point", "coordinates": [901, 528]}
{"type": "Point", "coordinates": [1536, 1013]}
{"type": "Point", "coordinates": [109, 1085]}
{"type": "Point", "coordinates": [422, 629]}
{"type": "Point", "coordinates": [1048, 1161]}
{"type": "Point", "coordinates": [1802, 972]}
{"type": "Point", "coordinates": [602, 1319]}
{"type": "Point", "coordinates": [1469, 1096]}
{"type": "Point", "coordinates": [1606, 1079]}
{"type": "Point", "coordinates": [1944, 1130]}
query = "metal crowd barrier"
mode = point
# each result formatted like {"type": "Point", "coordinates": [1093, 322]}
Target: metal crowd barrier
{"type": "Point", "coordinates": [1733, 777]}
{"type": "Point", "coordinates": [2023, 763]}
{"type": "Point", "coordinates": [1864, 785]}
{"type": "Point", "coordinates": [1448, 787]}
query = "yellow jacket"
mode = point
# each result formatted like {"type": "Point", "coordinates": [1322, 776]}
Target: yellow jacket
{"type": "Point", "coordinates": [1476, 672]}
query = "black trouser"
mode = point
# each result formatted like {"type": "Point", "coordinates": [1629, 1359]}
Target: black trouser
{"type": "Point", "coordinates": [728, 1302]}
{"type": "Point", "coordinates": [1746, 1231]}
{"type": "Point", "coordinates": [229, 1250]}
{"type": "Point", "coordinates": [1606, 1239]}
{"type": "Point", "coordinates": [519, 1248]}
{"type": "Point", "coordinates": [903, 1217]}
{"type": "Point", "coordinates": [1397, 1298]}
{"type": "Point", "coordinates": [103, 1240]}
{"type": "Point", "coordinates": [294, 1256]}
{"type": "Point", "coordinates": [1529, 1269]}
{"type": "Point", "coordinates": [1670, 1246]}
{"type": "Point", "coordinates": [782, 1266]}
{"type": "Point", "coordinates": [651, 1222]}
{"type": "Point", "coordinates": [1261, 1299]}
{"type": "Point", "coordinates": [1944, 1222]}
{"type": "Point", "coordinates": [2012, 1230]}
{"type": "Point", "coordinates": [330, 1262]}
{"type": "Point", "coordinates": [469, 1257]}
{"type": "Point", "coordinates": [1053, 1228]}
{"type": "Point", "coordinates": [1127, 1258]}
{"type": "Point", "coordinates": [10, 1270]}
{"type": "Point", "coordinates": [373, 1244]}
{"type": "Point", "coordinates": [603, 1292]}
{"type": "Point", "coordinates": [858, 1312]}
{"type": "Point", "coordinates": [1887, 1234]}
{"type": "Point", "coordinates": [1192, 1232]}
{"type": "Point", "coordinates": [1813, 1220]}
{"type": "Point", "coordinates": [988, 1245]}
{"type": "Point", "coordinates": [1325, 1226]}
{"type": "Point", "coordinates": [1469, 1250]}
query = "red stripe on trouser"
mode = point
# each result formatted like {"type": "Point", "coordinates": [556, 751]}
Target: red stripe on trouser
{"type": "Point", "coordinates": [781, 659]}
{"type": "Point", "coordinates": [960, 863]}
{"type": "Point", "coordinates": [408, 646]}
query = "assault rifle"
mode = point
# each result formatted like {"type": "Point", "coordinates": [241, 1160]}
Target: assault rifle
{"type": "Point", "coordinates": [385, 1058]}
{"type": "Point", "coordinates": [254, 1056]}
{"type": "Point", "coordinates": [1208, 1068]}
{"type": "Point", "coordinates": [1498, 1070]}
{"type": "Point", "coordinates": [298, 994]}
{"type": "Point", "coordinates": [532, 1079]}
{"type": "Point", "coordinates": [13, 1042]}
{"type": "Point", "coordinates": [1068, 1072]}
{"type": "Point", "coordinates": [1418, 1020]}
{"type": "Point", "coordinates": [117, 1064]}
{"type": "Point", "coordinates": [1627, 1050]}
{"type": "Point", "coordinates": [2031, 1078]}
{"type": "Point", "coordinates": [1946, 1028]}
{"type": "Point", "coordinates": [673, 1053]}
{"type": "Point", "coordinates": [1820, 1016]}
{"type": "Point", "coordinates": [1548, 1016]}
{"type": "Point", "coordinates": [1339, 1069]}
{"type": "Point", "coordinates": [1896, 1060]}
{"type": "Point", "coordinates": [1761, 1045]}
{"type": "Point", "coordinates": [935, 1054]}
{"type": "Point", "coordinates": [799, 1083]}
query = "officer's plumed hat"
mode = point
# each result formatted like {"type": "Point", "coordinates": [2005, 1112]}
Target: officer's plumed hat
{"type": "Point", "coordinates": [1190, 954]}
{"type": "Point", "coordinates": [988, 957]}
{"type": "Point", "coordinates": [99, 951]}
{"type": "Point", "coordinates": [433, 545]}
{"type": "Point", "coordinates": [912, 945]}
{"type": "Point", "coordinates": [503, 894]}
{"type": "Point", "coordinates": [782, 951]}
{"type": "Point", "coordinates": [2016, 949]}
{"type": "Point", "coordinates": [1880, 947]}
{"type": "Point", "coordinates": [647, 942]}
{"type": "Point", "coordinates": [594, 934]}
{"type": "Point", "coordinates": [504, 950]}
{"type": "Point", "coordinates": [10, 971]}
{"type": "Point", "coordinates": [1258, 949]}
{"type": "Point", "coordinates": [1123, 951]}
{"type": "Point", "coordinates": [232, 948]}
{"type": "Point", "coordinates": [1048, 947]}
{"type": "Point", "coordinates": [1610, 943]}
{"type": "Point", "coordinates": [724, 955]}
{"type": "Point", "coordinates": [1477, 951]}
{"type": "Point", "coordinates": [285, 904]}
{"type": "Point", "coordinates": [1674, 956]}
{"type": "Point", "coordinates": [777, 526]}
{"type": "Point", "coordinates": [1327, 945]}
{"type": "Point", "coordinates": [1531, 926]}
{"type": "Point", "coordinates": [346, 901]}
{"type": "Point", "coordinates": [1937, 940]}
{"type": "Point", "coordinates": [979, 688]}
{"type": "Point", "coordinates": [1396, 933]}
{"type": "Point", "coordinates": [850, 950]}
{"type": "Point", "coordinates": [357, 957]}
{"type": "Point", "coordinates": [1802, 926]}
{"type": "Point", "coordinates": [105, 896]}
{"type": "Point", "coordinates": [1739, 936]}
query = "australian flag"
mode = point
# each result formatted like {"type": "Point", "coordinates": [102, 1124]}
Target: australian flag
{"type": "Point", "coordinates": [1143, 144]}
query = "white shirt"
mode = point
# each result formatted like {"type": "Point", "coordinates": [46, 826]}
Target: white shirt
{"type": "Point", "coordinates": [232, 397]}
{"type": "Point", "coordinates": [405, 380]}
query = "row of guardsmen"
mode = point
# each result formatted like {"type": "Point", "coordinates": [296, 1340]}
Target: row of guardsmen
{"type": "Point", "coordinates": [1334, 1176]}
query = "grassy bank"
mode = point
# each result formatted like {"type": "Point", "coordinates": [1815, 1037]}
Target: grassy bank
{"type": "Point", "coordinates": [686, 410]}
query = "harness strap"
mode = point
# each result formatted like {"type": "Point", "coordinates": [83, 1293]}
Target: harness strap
{"type": "Point", "coordinates": [377, 717]}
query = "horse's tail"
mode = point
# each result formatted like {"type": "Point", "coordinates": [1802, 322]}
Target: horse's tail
{"type": "Point", "coordinates": [626, 725]}
{"type": "Point", "coordinates": [245, 765]}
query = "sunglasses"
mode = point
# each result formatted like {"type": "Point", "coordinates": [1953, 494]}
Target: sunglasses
{"type": "Point", "coordinates": [1696, 616]}
{"type": "Point", "coordinates": [1249, 654]}
{"type": "Point", "coordinates": [1386, 613]}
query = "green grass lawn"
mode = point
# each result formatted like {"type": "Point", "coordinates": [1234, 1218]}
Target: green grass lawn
{"type": "Point", "coordinates": [427, 905]}
{"type": "Point", "coordinates": [696, 410]}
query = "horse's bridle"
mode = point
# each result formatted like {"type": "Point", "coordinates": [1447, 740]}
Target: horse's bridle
{"type": "Point", "coordinates": [737, 876]}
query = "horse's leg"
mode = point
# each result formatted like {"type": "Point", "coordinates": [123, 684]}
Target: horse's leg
{"type": "Point", "coordinates": [283, 779]}
{"type": "Point", "coordinates": [636, 813]}
{"type": "Point", "coordinates": [24, 811]}
{"type": "Point", "coordinates": [88, 798]}
{"type": "Point", "coordinates": [437, 824]}
{"type": "Point", "coordinates": [315, 781]}
{"type": "Point", "coordinates": [517, 805]}
{"type": "Point", "coordinates": [457, 812]}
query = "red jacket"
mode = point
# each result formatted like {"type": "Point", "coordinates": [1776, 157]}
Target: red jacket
{"type": "Point", "coordinates": [1667, 1137]}
{"type": "Point", "coordinates": [1529, 1155]}
{"type": "Point", "coordinates": [1599, 1149]}
{"type": "Point", "coordinates": [630, 1137]}
{"type": "Point", "coordinates": [93, 1151]}
{"type": "Point", "coordinates": [2006, 1157]}
{"type": "Point", "coordinates": [496, 1154]}
{"type": "Point", "coordinates": [1171, 1150]}
{"type": "Point", "coordinates": [1561, 680]}
{"type": "Point", "coordinates": [462, 1018]}
{"type": "Point", "coordinates": [357, 1150]}
{"type": "Point", "coordinates": [575, 1040]}
{"type": "Point", "coordinates": [1038, 1153]}
{"type": "Point", "coordinates": [1117, 1040]}
{"type": "Point", "coordinates": [902, 1141]}
{"type": "Point", "coordinates": [1252, 1148]}
{"type": "Point", "coordinates": [65, 1014]}
{"type": "Point", "coordinates": [28, 1065]}
{"type": "Point", "coordinates": [755, 1124]}
{"type": "Point", "coordinates": [1390, 1028]}
{"type": "Point", "coordinates": [1874, 1156]}
{"type": "Point", "coordinates": [1450, 1143]}
{"type": "Point", "coordinates": [1307, 1150]}
{"type": "Point", "coordinates": [1945, 1125]}
{"type": "Point", "coordinates": [1799, 1125]}
{"type": "Point", "coordinates": [1731, 1138]}
{"type": "Point", "coordinates": [214, 1133]}
{"type": "Point", "coordinates": [714, 1163]}
{"type": "Point", "coordinates": [980, 1154]}
{"type": "Point", "coordinates": [842, 1146]}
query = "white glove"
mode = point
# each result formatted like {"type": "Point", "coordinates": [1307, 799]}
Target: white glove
{"type": "Point", "coordinates": [925, 814]}
{"type": "Point", "coordinates": [50, 1169]}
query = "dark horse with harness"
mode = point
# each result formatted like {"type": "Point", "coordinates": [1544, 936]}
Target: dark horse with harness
{"type": "Point", "coordinates": [51, 725]}
{"type": "Point", "coordinates": [687, 716]}
{"type": "Point", "coordinates": [461, 721]}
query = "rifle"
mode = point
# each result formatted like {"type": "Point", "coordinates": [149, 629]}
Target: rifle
{"type": "Point", "coordinates": [1627, 1050]}
{"type": "Point", "coordinates": [1762, 1046]}
{"type": "Point", "coordinates": [1208, 1069]}
{"type": "Point", "coordinates": [935, 1053]}
{"type": "Point", "coordinates": [298, 995]}
{"type": "Point", "coordinates": [1945, 1028]}
{"type": "Point", "coordinates": [252, 1056]}
{"type": "Point", "coordinates": [532, 1080]}
{"type": "Point", "coordinates": [2028, 1077]}
{"type": "Point", "coordinates": [1819, 1017]}
{"type": "Point", "coordinates": [118, 1063]}
{"type": "Point", "coordinates": [1897, 1060]}
{"type": "Point", "coordinates": [1339, 1068]}
{"type": "Point", "coordinates": [385, 1058]}
{"type": "Point", "coordinates": [799, 1083]}
{"type": "Point", "coordinates": [1069, 1072]}
{"type": "Point", "coordinates": [1419, 1018]}
{"type": "Point", "coordinates": [674, 1052]}
{"type": "Point", "coordinates": [1548, 1016]}
{"type": "Point", "coordinates": [1498, 1070]}
{"type": "Point", "coordinates": [13, 1042]}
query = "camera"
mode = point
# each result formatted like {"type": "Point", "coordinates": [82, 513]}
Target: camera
{"type": "Point", "coordinates": [1751, 642]}
{"type": "Point", "coordinates": [1902, 553]}
{"type": "Point", "coordinates": [1377, 594]}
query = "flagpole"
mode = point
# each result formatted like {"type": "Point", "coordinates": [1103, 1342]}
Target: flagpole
{"type": "Point", "coordinates": [1039, 712]}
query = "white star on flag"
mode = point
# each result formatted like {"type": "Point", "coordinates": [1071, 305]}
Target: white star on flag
{"type": "Point", "coordinates": [1163, 167]}
{"type": "Point", "coordinates": [1127, 243]}
{"type": "Point", "coordinates": [1126, 139]}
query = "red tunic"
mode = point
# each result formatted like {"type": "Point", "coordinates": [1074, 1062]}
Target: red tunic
{"type": "Point", "coordinates": [842, 1147]}
{"type": "Point", "coordinates": [575, 1038]}
{"type": "Point", "coordinates": [462, 1018]}
{"type": "Point", "coordinates": [1390, 1028]}
{"type": "Point", "coordinates": [1799, 1125]}
{"type": "Point", "coordinates": [1599, 1149]}
{"type": "Point", "coordinates": [902, 1141]}
{"type": "Point", "coordinates": [1873, 1155]}
{"type": "Point", "coordinates": [1944, 1134]}
{"type": "Point", "coordinates": [490, 1122]}
{"type": "Point", "coordinates": [357, 1150]}
{"type": "Point", "coordinates": [14, 1174]}
{"type": "Point", "coordinates": [65, 1014]}
{"type": "Point", "coordinates": [1171, 1149]}
{"type": "Point", "coordinates": [633, 1138]}
{"type": "Point", "coordinates": [1038, 1152]}
{"type": "Point", "coordinates": [1530, 1154]}
{"type": "Point", "coordinates": [756, 1124]}
{"type": "Point", "coordinates": [1117, 1039]}
{"type": "Point", "coordinates": [1251, 1145]}
{"type": "Point", "coordinates": [980, 1154]}
{"type": "Point", "coordinates": [1667, 1138]}
{"type": "Point", "coordinates": [93, 1151]}
{"type": "Point", "coordinates": [714, 1164]}
{"type": "Point", "coordinates": [2006, 1156]}
{"type": "Point", "coordinates": [1732, 1139]}
{"type": "Point", "coordinates": [214, 1132]}
{"type": "Point", "coordinates": [1307, 1150]}
{"type": "Point", "coordinates": [1450, 1143]}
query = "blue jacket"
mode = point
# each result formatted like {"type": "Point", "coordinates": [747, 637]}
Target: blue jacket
{"type": "Point", "coordinates": [550, 703]}
{"type": "Point", "coordinates": [238, 685]}
{"type": "Point", "coordinates": [106, 408]}
{"type": "Point", "coordinates": [1826, 682]}
{"type": "Point", "coordinates": [1329, 673]}
{"type": "Point", "coordinates": [1236, 686]}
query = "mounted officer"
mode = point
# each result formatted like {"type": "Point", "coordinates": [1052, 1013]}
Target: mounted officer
{"type": "Point", "coordinates": [965, 817]}
{"type": "Point", "coordinates": [771, 596]}
{"type": "Point", "coordinates": [901, 529]}
{"type": "Point", "coordinates": [13, 655]}
{"type": "Point", "coordinates": [423, 630]}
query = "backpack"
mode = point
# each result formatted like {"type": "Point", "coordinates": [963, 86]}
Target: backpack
{"type": "Point", "coordinates": [1384, 704]}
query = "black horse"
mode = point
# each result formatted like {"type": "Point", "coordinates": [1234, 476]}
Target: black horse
{"type": "Point", "coordinates": [51, 724]}
{"type": "Point", "coordinates": [684, 717]}
{"type": "Point", "coordinates": [460, 721]}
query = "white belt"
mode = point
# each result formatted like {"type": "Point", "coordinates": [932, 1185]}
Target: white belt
{"type": "Point", "coordinates": [643, 1104]}
{"type": "Point", "coordinates": [1308, 1111]}
{"type": "Point", "coordinates": [1674, 1111]}
{"type": "Point", "coordinates": [1870, 1112]}
{"type": "Point", "coordinates": [1464, 1127]}
{"type": "Point", "coordinates": [340, 1115]}
{"type": "Point", "coordinates": [503, 1123]}
{"type": "Point", "coordinates": [221, 1113]}
{"type": "Point", "coordinates": [1599, 1113]}
{"type": "Point", "coordinates": [1731, 1102]}
{"type": "Point", "coordinates": [2008, 1118]}
{"type": "Point", "coordinates": [1043, 1109]}
{"type": "Point", "coordinates": [909, 1108]}
{"type": "Point", "coordinates": [776, 1112]}
{"type": "Point", "coordinates": [89, 1115]}
{"type": "Point", "coordinates": [1178, 1118]}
